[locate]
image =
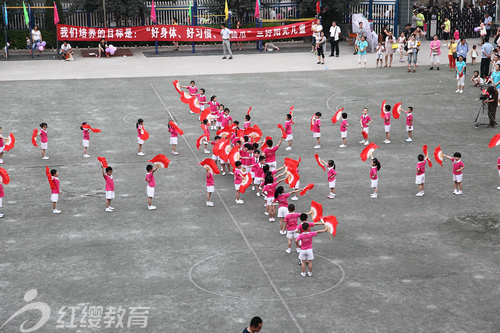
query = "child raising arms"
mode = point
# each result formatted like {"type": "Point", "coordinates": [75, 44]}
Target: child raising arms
{"type": "Point", "coordinates": [110, 187]}
{"type": "Point", "coordinates": [150, 189]}
{"type": "Point", "coordinates": [458, 167]}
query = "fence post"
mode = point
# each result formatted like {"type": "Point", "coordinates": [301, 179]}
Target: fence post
{"type": "Point", "coordinates": [396, 19]}
{"type": "Point", "coordinates": [194, 19]}
{"type": "Point", "coordinates": [370, 9]}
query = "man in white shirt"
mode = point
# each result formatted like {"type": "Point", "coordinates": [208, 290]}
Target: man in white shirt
{"type": "Point", "coordinates": [226, 46]}
{"type": "Point", "coordinates": [487, 23]}
{"type": "Point", "coordinates": [67, 51]}
{"type": "Point", "coordinates": [334, 39]}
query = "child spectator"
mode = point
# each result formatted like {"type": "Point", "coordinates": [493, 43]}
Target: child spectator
{"type": "Point", "coordinates": [110, 187]}
{"type": "Point", "coordinates": [458, 167]}
{"type": "Point", "coordinates": [150, 190]}
{"type": "Point", "coordinates": [476, 80]}
{"type": "Point", "coordinates": [387, 123]}
{"type": "Point", "coordinates": [343, 130]}
{"type": "Point", "coordinates": [317, 129]}
{"type": "Point", "coordinates": [379, 50]}
{"type": "Point", "coordinates": [365, 120]}
{"type": "Point", "coordinates": [54, 197]}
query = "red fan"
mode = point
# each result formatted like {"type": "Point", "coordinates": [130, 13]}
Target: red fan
{"type": "Point", "coordinates": [174, 125]}
{"type": "Point", "coordinates": [160, 160]}
{"type": "Point", "coordinates": [330, 224]}
{"type": "Point", "coordinates": [9, 143]}
{"type": "Point", "coordinates": [438, 155]}
{"type": "Point", "coordinates": [33, 137]}
{"type": "Point", "coordinates": [239, 134]}
{"type": "Point", "coordinates": [424, 148]}
{"type": "Point", "coordinates": [292, 177]}
{"type": "Point", "coordinates": [234, 155]}
{"type": "Point", "coordinates": [145, 135]}
{"type": "Point", "coordinates": [396, 110]}
{"type": "Point", "coordinates": [225, 132]}
{"type": "Point", "coordinates": [317, 211]}
{"type": "Point", "coordinates": [382, 109]}
{"type": "Point", "coordinates": [249, 109]}
{"type": "Point", "coordinates": [177, 86]}
{"type": "Point", "coordinates": [307, 188]}
{"type": "Point", "coordinates": [291, 110]}
{"type": "Point", "coordinates": [186, 97]}
{"type": "Point", "coordinates": [495, 141]}
{"type": "Point", "coordinates": [208, 162]}
{"type": "Point", "coordinates": [224, 154]}
{"type": "Point", "coordinates": [219, 146]}
{"type": "Point", "coordinates": [94, 130]}
{"type": "Point", "coordinates": [103, 161]}
{"type": "Point", "coordinates": [194, 105]}
{"type": "Point", "coordinates": [364, 134]}
{"type": "Point", "coordinates": [283, 134]}
{"type": "Point", "coordinates": [336, 117]}
{"type": "Point", "coordinates": [368, 151]}
{"type": "Point", "coordinates": [253, 132]}
{"type": "Point", "coordinates": [264, 145]}
{"type": "Point", "coordinates": [4, 176]}
{"type": "Point", "coordinates": [202, 139]}
{"type": "Point", "coordinates": [291, 162]}
{"type": "Point", "coordinates": [318, 160]}
{"type": "Point", "coordinates": [245, 182]}
{"type": "Point", "coordinates": [205, 114]}
{"type": "Point", "coordinates": [312, 122]}
{"type": "Point", "coordinates": [49, 178]}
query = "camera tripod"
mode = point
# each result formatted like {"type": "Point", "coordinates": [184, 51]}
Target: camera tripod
{"type": "Point", "coordinates": [482, 113]}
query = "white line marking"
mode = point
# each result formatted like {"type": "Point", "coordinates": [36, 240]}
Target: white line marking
{"type": "Point", "coordinates": [273, 285]}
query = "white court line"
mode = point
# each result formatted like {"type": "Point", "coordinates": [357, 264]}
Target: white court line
{"type": "Point", "coordinates": [239, 229]}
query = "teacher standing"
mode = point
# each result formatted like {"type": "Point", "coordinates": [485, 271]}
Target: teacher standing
{"type": "Point", "coordinates": [226, 46]}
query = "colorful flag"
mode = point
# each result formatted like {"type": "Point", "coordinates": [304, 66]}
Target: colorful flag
{"type": "Point", "coordinates": [189, 13]}
{"type": "Point", "coordinates": [56, 14]}
{"type": "Point", "coordinates": [226, 10]}
{"type": "Point", "coordinates": [26, 16]}
{"type": "Point", "coordinates": [153, 12]}
{"type": "Point", "coordinates": [5, 13]}
{"type": "Point", "coordinates": [257, 9]}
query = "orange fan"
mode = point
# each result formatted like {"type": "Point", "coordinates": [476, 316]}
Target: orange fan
{"type": "Point", "coordinates": [438, 155]}
{"type": "Point", "coordinates": [382, 109]}
{"type": "Point", "coordinates": [174, 125]}
{"type": "Point", "coordinates": [177, 86]}
{"type": "Point", "coordinates": [103, 161]}
{"type": "Point", "coordinates": [160, 160]}
{"type": "Point", "coordinates": [202, 139]}
{"type": "Point", "coordinates": [330, 224]}
{"type": "Point", "coordinates": [424, 148]}
{"type": "Point", "coordinates": [4, 176]}
{"type": "Point", "coordinates": [318, 160]}
{"type": "Point", "coordinates": [234, 155]}
{"type": "Point", "coordinates": [396, 110]}
{"type": "Point", "coordinates": [9, 143]}
{"type": "Point", "coordinates": [307, 188]}
{"type": "Point", "coordinates": [317, 211]}
{"type": "Point", "coordinates": [49, 178]}
{"type": "Point", "coordinates": [245, 182]}
{"type": "Point", "coordinates": [208, 162]}
{"type": "Point", "coordinates": [283, 134]}
{"type": "Point", "coordinates": [94, 130]}
{"type": "Point", "coordinates": [495, 141]}
{"type": "Point", "coordinates": [194, 105]}
{"type": "Point", "coordinates": [249, 109]}
{"type": "Point", "coordinates": [336, 117]}
{"type": "Point", "coordinates": [368, 151]}
{"type": "Point", "coordinates": [33, 137]}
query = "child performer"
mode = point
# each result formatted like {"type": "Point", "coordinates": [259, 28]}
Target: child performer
{"type": "Point", "coordinates": [258, 173]}
{"type": "Point", "coordinates": [374, 177]}
{"type": "Point", "coordinates": [226, 118]}
{"type": "Point", "coordinates": [270, 153]}
{"type": "Point", "coordinates": [343, 130]}
{"type": "Point", "coordinates": [210, 186]}
{"type": "Point", "coordinates": [306, 254]}
{"type": "Point", "coordinates": [214, 106]}
{"type": "Point", "coordinates": [238, 177]}
{"type": "Point", "coordinates": [140, 130]}
{"type": "Point", "coordinates": [1, 197]}
{"type": "Point", "coordinates": [86, 139]}
{"type": "Point", "coordinates": [409, 123]}
{"type": "Point", "coordinates": [248, 122]}
{"type": "Point", "coordinates": [317, 129]}
{"type": "Point", "coordinates": [498, 167]}
{"type": "Point", "coordinates": [281, 198]}
{"type": "Point", "coordinates": [191, 88]}
{"type": "Point", "coordinates": [54, 197]}
{"type": "Point", "coordinates": [291, 225]}
{"type": "Point", "coordinates": [269, 188]}
{"type": "Point", "coordinates": [150, 190]}
{"type": "Point", "coordinates": [110, 187]}
{"type": "Point", "coordinates": [331, 173]}
{"type": "Point", "coordinates": [254, 164]}
{"type": "Point", "coordinates": [288, 131]}
{"type": "Point", "coordinates": [43, 139]}
{"type": "Point", "coordinates": [2, 146]}
{"type": "Point", "coordinates": [202, 99]}
{"type": "Point", "coordinates": [387, 123]}
{"type": "Point", "coordinates": [220, 116]}
{"type": "Point", "coordinates": [365, 120]}
{"type": "Point", "coordinates": [458, 167]}
{"type": "Point", "coordinates": [173, 139]}
{"type": "Point", "coordinates": [420, 178]}
{"type": "Point", "coordinates": [206, 131]}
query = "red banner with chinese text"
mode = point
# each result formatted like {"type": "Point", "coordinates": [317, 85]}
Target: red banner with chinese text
{"type": "Point", "coordinates": [180, 33]}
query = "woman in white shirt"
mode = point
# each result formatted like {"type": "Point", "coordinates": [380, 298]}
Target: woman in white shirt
{"type": "Point", "coordinates": [36, 37]}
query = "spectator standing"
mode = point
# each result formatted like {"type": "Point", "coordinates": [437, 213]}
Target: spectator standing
{"type": "Point", "coordinates": [495, 76]}
{"type": "Point", "coordinates": [320, 47]}
{"type": "Point", "coordinates": [446, 30]}
{"type": "Point", "coordinates": [334, 39]}
{"type": "Point", "coordinates": [362, 46]}
{"type": "Point", "coordinates": [452, 50]}
{"type": "Point", "coordinates": [460, 69]}
{"type": "Point", "coordinates": [492, 105]}
{"type": "Point", "coordinates": [389, 51]}
{"type": "Point", "coordinates": [421, 19]}
{"type": "Point", "coordinates": [414, 21]}
{"type": "Point", "coordinates": [174, 22]}
{"type": "Point", "coordinates": [462, 49]}
{"type": "Point", "coordinates": [361, 32]}
{"type": "Point", "coordinates": [36, 37]}
{"type": "Point", "coordinates": [255, 325]}
{"type": "Point", "coordinates": [226, 46]}
{"type": "Point", "coordinates": [412, 53]}
{"type": "Point", "coordinates": [435, 52]}
{"type": "Point", "coordinates": [486, 51]}
{"type": "Point", "coordinates": [487, 23]}
{"type": "Point", "coordinates": [316, 29]}
{"type": "Point", "coordinates": [238, 26]}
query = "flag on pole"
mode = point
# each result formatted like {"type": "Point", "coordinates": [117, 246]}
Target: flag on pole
{"type": "Point", "coordinates": [189, 13]}
{"type": "Point", "coordinates": [257, 9]}
{"type": "Point", "coordinates": [153, 12]}
{"type": "Point", "coordinates": [5, 13]}
{"type": "Point", "coordinates": [226, 10]}
{"type": "Point", "coordinates": [56, 14]}
{"type": "Point", "coordinates": [26, 16]}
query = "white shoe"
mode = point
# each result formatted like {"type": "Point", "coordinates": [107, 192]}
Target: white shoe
{"type": "Point", "coordinates": [359, 67]}
{"type": "Point", "coordinates": [288, 148]}
{"type": "Point", "coordinates": [461, 92]}
{"type": "Point", "coordinates": [175, 153]}
{"type": "Point", "coordinates": [223, 173]}
{"type": "Point", "coordinates": [239, 202]}
{"type": "Point", "coordinates": [86, 156]}
{"type": "Point", "coordinates": [457, 91]}
{"type": "Point", "coordinates": [1, 161]}
{"type": "Point", "coordinates": [303, 274]}
{"type": "Point", "coordinates": [109, 210]}
{"type": "Point", "coordinates": [387, 141]}
{"type": "Point", "coordinates": [45, 158]}
{"type": "Point", "coordinates": [342, 146]}
{"type": "Point", "coordinates": [56, 211]}
{"type": "Point", "coordinates": [317, 147]}
{"type": "Point", "coordinates": [270, 220]}
{"type": "Point", "coordinates": [364, 66]}
{"type": "Point", "coordinates": [420, 194]}
{"type": "Point", "coordinates": [266, 213]}
{"type": "Point", "coordinates": [295, 198]}
{"type": "Point", "coordinates": [151, 207]}
{"type": "Point", "coordinates": [455, 191]}
{"type": "Point", "coordinates": [362, 141]}
{"type": "Point", "coordinates": [498, 188]}
{"type": "Point", "coordinates": [330, 196]}
{"type": "Point", "coordinates": [253, 188]}
{"type": "Point", "coordinates": [408, 140]}
{"type": "Point", "coordinates": [310, 273]}
{"type": "Point", "coordinates": [112, 208]}
{"type": "Point", "coordinates": [297, 250]}
{"type": "Point", "coordinates": [257, 194]}
{"type": "Point", "coordinates": [367, 143]}
{"type": "Point", "coordinates": [210, 203]}
{"type": "Point", "coordinates": [2, 215]}
{"type": "Point", "coordinates": [231, 173]}
{"type": "Point", "coordinates": [373, 195]}
{"type": "Point", "coordinates": [141, 153]}
{"type": "Point", "coordinates": [191, 111]}
{"type": "Point", "coordinates": [459, 193]}
{"type": "Point", "coordinates": [289, 250]}
{"type": "Point", "coordinates": [206, 151]}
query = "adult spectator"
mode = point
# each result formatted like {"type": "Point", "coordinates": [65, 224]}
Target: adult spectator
{"type": "Point", "coordinates": [316, 28]}
{"type": "Point", "coordinates": [238, 26]}
{"type": "Point", "coordinates": [67, 51]}
{"type": "Point", "coordinates": [486, 51]}
{"type": "Point", "coordinates": [320, 47]}
{"type": "Point", "coordinates": [492, 105]}
{"type": "Point", "coordinates": [361, 32]}
{"type": "Point", "coordinates": [226, 47]}
{"type": "Point", "coordinates": [269, 46]}
{"type": "Point", "coordinates": [487, 23]}
{"type": "Point", "coordinates": [412, 53]}
{"type": "Point", "coordinates": [101, 48]}
{"type": "Point", "coordinates": [176, 44]}
{"type": "Point", "coordinates": [414, 21]}
{"type": "Point", "coordinates": [334, 38]}
{"type": "Point", "coordinates": [435, 52]}
{"type": "Point", "coordinates": [462, 49]}
{"type": "Point", "coordinates": [452, 52]}
{"type": "Point", "coordinates": [495, 76]}
{"type": "Point", "coordinates": [421, 19]}
{"type": "Point", "coordinates": [389, 51]}
{"type": "Point", "coordinates": [446, 29]}
{"type": "Point", "coordinates": [408, 31]}
{"type": "Point", "coordinates": [255, 325]}
{"type": "Point", "coordinates": [36, 37]}
{"type": "Point", "coordinates": [496, 38]}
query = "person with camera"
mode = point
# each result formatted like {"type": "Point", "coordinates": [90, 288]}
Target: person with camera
{"type": "Point", "coordinates": [492, 101]}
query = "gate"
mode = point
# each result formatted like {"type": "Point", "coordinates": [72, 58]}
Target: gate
{"type": "Point", "coordinates": [379, 13]}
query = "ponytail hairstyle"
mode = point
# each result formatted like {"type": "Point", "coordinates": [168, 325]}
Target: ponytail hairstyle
{"type": "Point", "coordinates": [246, 138]}
{"type": "Point", "coordinates": [377, 164]}
{"type": "Point", "coordinates": [331, 164]}
{"type": "Point", "coordinates": [212, 98]}
{"type": "Point", "coordinates": [84, 123]}
{"type": "Point", "coordinates": [205, 121]}
{"type": "Point", "coordinates": [268, 180]}
{"type": "Point", "coordinates": [265, 168]}
{"type": "Point", "coordinates": [42, 125]}
{"type": "Point", "coordinates": [247, 117]}
{"type": "Point", "coordinates": [421, 157]}
{"type": "Point", "coordinates": [139, 122]}
{"type": "Point", "coordinates": [279, 190]}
